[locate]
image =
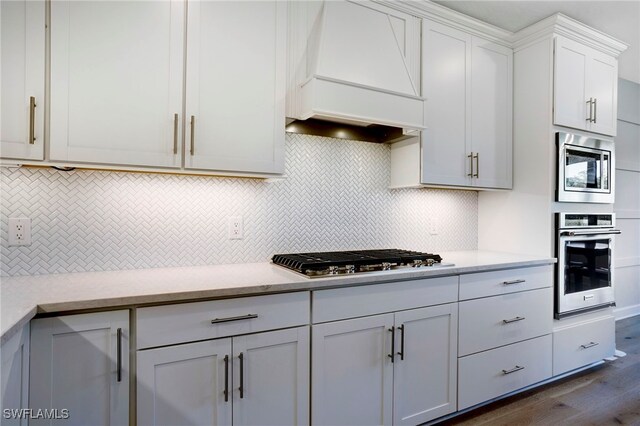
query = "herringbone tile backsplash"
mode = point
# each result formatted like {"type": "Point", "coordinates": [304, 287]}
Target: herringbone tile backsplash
{"type": "Point", "coordinates": [334, 197]}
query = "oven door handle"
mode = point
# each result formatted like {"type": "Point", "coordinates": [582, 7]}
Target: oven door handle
{"type": "Point", "coordinates": [602, 232]}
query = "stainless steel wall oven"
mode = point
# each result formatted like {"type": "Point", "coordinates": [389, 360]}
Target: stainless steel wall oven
{"type": "Point", "coordinates": [586, 169]}
{"type": "Point", "coordinates": [585, 250]}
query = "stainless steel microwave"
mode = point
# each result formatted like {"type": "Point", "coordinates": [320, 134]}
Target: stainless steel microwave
{"type": "Point", "coordinates": [586, 169]}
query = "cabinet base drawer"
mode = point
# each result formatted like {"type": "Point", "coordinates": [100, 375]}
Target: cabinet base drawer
{"type": "Point", "coordinates": [583, 344]}
{"type": "Point", "coordinates": [473, 286]}
{"type": "Point", "coordinates": [489, 374]}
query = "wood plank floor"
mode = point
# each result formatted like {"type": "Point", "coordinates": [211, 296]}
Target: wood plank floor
{"type": "Point", "coordinates": [605, 395]}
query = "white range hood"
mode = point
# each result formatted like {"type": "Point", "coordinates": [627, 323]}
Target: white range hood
{"type": "Point", "coordinates": [357, 63]}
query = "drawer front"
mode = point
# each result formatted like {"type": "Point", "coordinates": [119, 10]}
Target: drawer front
{"type": "Point", "coordinates": [187, 322]}
{"type": "Point", "coordinates": [473, 286]}
{"type": "Point", "coordinates": [583, 344]}
{"type": "Point", "coordinates": [489, 374]}
{"type": "Point", "coordinates": [501, 320]}
{"type": "Point", "coordinates": [352, 302]}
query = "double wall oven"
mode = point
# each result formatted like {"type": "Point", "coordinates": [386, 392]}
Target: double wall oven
{"type": "Point", "coordinates": [585, 265]}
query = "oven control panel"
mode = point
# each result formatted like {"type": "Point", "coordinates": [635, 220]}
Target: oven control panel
{"type": "Point", "coordinates": [585, 220]}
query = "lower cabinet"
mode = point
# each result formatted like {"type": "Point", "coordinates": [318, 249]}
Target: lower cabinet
{"type": "Point", "coordinates": [258, 379]}
{"type": "Point", "coordinates": [14, 376]}
{"type": "Point", "coordinates": [79, 368]}
{"type": "Point", "coordinates": [395, 368]}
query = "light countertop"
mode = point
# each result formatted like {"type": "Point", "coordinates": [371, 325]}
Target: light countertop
{"type": "Point", "coordinates": [21, 298]}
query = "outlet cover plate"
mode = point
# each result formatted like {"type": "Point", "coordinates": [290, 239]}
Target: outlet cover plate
{"type": "Point", "coordinates": [235, 228]}
{"type": "Point", "coordinates": [19, 231]}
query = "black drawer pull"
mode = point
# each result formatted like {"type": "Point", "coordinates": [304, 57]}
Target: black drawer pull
{"type": "Point", "coordinates": [229, 319]}
{"type": "Point", "coordinates": [513, 370]}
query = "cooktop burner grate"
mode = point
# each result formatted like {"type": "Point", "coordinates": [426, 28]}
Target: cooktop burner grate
{"type": "Point", "coordinates": [344, 262]}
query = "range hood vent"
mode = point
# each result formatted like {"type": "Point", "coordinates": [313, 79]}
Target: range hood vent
{"type": "Point", "coordinates": [358, 64]}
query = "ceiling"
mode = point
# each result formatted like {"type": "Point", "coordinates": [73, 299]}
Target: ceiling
{"type": "Point", "coordinates": [620, 19]}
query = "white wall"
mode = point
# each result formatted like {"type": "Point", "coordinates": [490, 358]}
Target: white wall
{"type": "Point", "coordinates": [627, 205]}
{"type": "Point", "coordinates": [334, 197]}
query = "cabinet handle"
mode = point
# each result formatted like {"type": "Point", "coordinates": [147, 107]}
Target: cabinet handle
{"type": "Point", "coordinates": [595, 110]}
{"type": "Point", "coordinates": [590, 103]}
{"type": "Point", "coordinates": [193, 138]}
{"type": "Point", "coordinates": [401, 353]}
{"type": "Point", "coordinates": [241, 388]}
{"type": "Point", "coordinates": [470, 157]}
{"type": "Point", "coordinates": [516, 319]}
{"type": "Point", "coordinates": [393, 343]}
{"type": "Point", "coordinates": [32, 120]}
{"type": "Point", "coordinates": [226, 378]}
{"type": "Point", "coordinates": [477, 157]}
{"type": "Point", "coordinates": [513, 282]}
{"type": "Point", "coordinates": [229, 319]}
{"type": "Point", "coordinates": [119, 355]}
{"type": "Point", "coordinates": [589, 345]}
{"type": "Point", "coordinates": [175, 134]}
{"type": "Point", "coordinates": [513, 370]}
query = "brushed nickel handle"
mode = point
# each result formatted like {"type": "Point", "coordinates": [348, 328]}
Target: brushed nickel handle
{"type": "Point", "coordinates": [590, 103]}
{"type": "Point", "coordinates": [238, 318]}
{"type": "Point", "coordinates": [175, 133]}
{"type": "Point", "coordinates": [477, 157]}
{"type": "Point", "coordinates": [595, 110]}
{"type": "Point", "coordinates": [241, 388]}
{"type": "Point", "coordinates": [513, 282]}
{"type": "Point", "coordinates": [119, 355]}
{"type": "Point", "coordinates": [589, 345]}
{"type": "Point", "coordinates": [226, 378]}
{"type": "Point", "coordinates": [401, 353]}
{"type": "Point", "coordinates": [516, 319]}
{"type": "Point", "coordinates": [470, 157]}
{"type": "Point", "coordinates": [192, 137]}
{"type": "Point", "coordinates": [513, 370]}
{"type": "Point", "coordinates": [393, 343]}
{"type": "Point", "coordinates": [32, 120]}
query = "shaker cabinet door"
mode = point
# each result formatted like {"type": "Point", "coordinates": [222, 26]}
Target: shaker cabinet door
{"type": "Point", "coordinates": [22, 76]}
{"type": "Point", "coordinates": [236, 86]}
{"type": "Point", "coordinates": [116, 82]}
{"type": "Point", "coordinates": [602, 84]}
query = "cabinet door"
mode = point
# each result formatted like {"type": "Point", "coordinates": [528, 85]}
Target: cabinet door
{"type": "Point", "coordinates": [272, 369]}
{"type": "Point", "coordinates": [351, 372]}
{"type": "Point", "coordinates": [14, 375]}
{"type": "Point", "coordinates": [116, 82]}
{"type": "Point", "coordinates": [570, 99]}
{"type": "Point", "coordinates": [236, 86]}
{"type": "Point", "coordinates": [491, 114]}
{"type": "Point", "coordinates": [22, 56]}
{"type": "Point", "coordinates": [185, 384]}
{"type": "Point", "coordinates": [425, 370]}
{"type": "Point", "coordinates": [446, 80]}
{"type": "Point", "coordinates": [81, 363]}
{"type": "Point", "coordinates": [602, 85]}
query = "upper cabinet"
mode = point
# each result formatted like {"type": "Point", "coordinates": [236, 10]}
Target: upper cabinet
{"type": "Point", "coordinates": [22, 78]}
{"type": "Point", "coordinates": [467, 81]}
{"type": "Point", "coordinates": [236, 86]}
{"type": "Point", "coordinates": [585, 87]}
{"type": "Point", "coordinates": [118, 85]}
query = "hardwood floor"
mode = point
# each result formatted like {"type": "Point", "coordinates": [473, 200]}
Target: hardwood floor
{"type": "Point", "coordinates": [605, 395]}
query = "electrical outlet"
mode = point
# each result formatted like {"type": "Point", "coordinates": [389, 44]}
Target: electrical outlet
{"type": "Point", "coordinates": [433, 226]}
{"type": "Point", "coordinates": [19, 231]}
{"type": "Point", "coordinates": [235, 228]}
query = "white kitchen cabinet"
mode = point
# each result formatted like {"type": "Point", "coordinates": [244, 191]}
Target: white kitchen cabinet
{"type": "Point", "coordinates": [385, 369]}
{"type": "Point", "coordinates": [235, 86]}
{"type": "Point", "coordinates": [14, 376]}
{"type": "Point", "coordinates": [116, 82]}
{"type": "Point", "coordinates": [81, 363]}
{"type": "Point", "coordinates": [585, 87]}
{"type": "Point", "coordinates": [22, 78]}
{"type": "Point", "coordinates": [258, 379]}
{"type": "Point", "coordinates": [467, 81]}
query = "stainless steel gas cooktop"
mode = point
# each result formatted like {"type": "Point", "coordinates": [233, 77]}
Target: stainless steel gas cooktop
{"type": "Point", "coordinates": [357, 261]}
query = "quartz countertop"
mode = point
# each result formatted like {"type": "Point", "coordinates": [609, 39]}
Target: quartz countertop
{"type": "Point", "coordinates": [21, 298]}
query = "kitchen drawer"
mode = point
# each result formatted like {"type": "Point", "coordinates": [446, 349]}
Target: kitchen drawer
{"type": "Point", "coordinates": [583, 344]}
{"type": "Point", "coordinates": [188, 322]}
{"type": "Point", "coordinates": [489, 374]}
{"type": "Point", "coordinates": [351, 302]}
{"type": "Point", "coordinates": [483, 326]}
{"type": "Point", "coordinates": [473, 286]}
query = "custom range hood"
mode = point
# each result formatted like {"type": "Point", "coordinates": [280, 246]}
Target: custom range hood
{"type": "Point", "coordinates": [354, 71]}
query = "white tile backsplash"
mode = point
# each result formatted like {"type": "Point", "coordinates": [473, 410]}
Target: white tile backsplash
{"type": "Point", "coordinates": [334, 197]}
